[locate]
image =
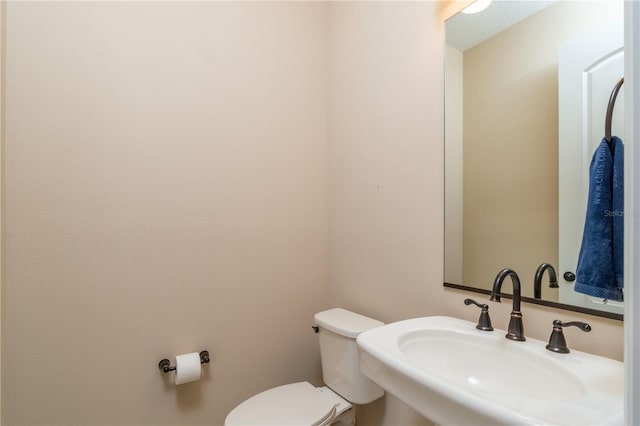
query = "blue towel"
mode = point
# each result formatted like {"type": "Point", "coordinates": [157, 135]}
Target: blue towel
{"type": "Point", "coordinates": [596, 274]}
{"type": "Point", "coordinates": [617, 149]}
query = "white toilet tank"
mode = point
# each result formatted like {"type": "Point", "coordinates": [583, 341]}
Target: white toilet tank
{"type": "Point", "coordinates": [338, 329]}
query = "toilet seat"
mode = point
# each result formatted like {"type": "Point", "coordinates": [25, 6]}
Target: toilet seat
{"type": "Point", "coordinates": [293, 404]}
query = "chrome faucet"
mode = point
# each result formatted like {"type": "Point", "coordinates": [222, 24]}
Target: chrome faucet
{"type": "Point", "coordinates": [516, 328]}
{"type": "Point", "coordinates": [537, 281]}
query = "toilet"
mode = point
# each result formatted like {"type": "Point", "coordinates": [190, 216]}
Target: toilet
{"type": "Point", "coordinates": [302, 404]}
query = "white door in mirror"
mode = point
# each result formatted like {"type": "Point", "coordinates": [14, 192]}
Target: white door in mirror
{"type": "Point", "coordinates": [588, 69]}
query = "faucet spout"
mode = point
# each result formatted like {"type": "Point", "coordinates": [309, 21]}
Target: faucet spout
{"type": "Point", "coordinates": [537, 281]}
{"type": "Point", "coordinates": [516, 327]}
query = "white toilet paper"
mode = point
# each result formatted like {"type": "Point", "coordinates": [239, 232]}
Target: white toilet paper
{"type": "Point", "coordinates": [187, 368]}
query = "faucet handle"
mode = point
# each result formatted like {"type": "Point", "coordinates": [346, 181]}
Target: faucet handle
{"type": "Point", "coordinates": [557, 342]}
{"type": "Point", "coordinates": [484, 322]}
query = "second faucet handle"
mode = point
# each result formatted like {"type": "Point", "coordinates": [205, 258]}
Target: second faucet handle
{"type": "Point", "coordinates": [557, 342]}
{"type": "Point", "coordinates": [484, 322]}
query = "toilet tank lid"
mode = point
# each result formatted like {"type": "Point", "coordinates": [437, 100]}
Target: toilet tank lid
{"type": "Point", "coordinates": [345, 323]}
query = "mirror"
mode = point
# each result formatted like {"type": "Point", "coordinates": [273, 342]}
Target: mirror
{"type": "Point", "coordinates": [506, 199]}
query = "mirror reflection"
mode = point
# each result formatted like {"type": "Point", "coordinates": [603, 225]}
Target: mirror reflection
{"type": "Point", "coordinates": [527, 89]}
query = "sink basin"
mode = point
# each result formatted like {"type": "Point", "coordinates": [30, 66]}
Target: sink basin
{"type": "Point", "coordinates": [452, 373]}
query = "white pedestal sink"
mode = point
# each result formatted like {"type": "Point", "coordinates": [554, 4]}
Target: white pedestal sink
{"type": "Point", "coordinates": [454, 374]}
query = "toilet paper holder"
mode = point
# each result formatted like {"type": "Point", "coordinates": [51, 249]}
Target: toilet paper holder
{"type": "Point", "coordinates": [165, 364]}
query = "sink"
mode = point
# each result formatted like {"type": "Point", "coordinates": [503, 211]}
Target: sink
{"type": "Point", "coordinates": [452, 373]}
{"type": "Point", "coordinates": [474, 362]}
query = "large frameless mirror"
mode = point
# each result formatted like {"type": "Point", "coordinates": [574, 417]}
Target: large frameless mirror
{"type": "Point", "coordinates": [528, 84]}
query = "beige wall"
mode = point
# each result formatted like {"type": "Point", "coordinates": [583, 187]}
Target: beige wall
{"type": "Point", "coordinates": [386, 167]}
{"type": "Point", "coordinates": [217, 194]}
{"type": "Point", "coordinates": [385, 125]}
{"type": "Point", "coordinates": [165, 193]}
{"type": "Point", "coordinates": [453, 166]}
{"type": "Point", "coordinates": [511, 143]}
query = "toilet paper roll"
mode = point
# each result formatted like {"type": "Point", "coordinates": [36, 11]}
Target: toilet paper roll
{"type": "Point", "coordinates": [187, 368]}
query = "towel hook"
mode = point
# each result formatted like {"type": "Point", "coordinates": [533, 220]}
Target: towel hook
{"type": "Point", "coordinates": [612, 102]}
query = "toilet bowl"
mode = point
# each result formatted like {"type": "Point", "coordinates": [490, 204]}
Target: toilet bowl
{"type": "Point", "coordinates": [302, 404]}
{"type": "Point", "coordinates": [293, 404]}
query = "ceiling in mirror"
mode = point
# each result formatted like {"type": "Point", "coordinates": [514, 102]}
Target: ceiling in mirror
{"type": "Point", "coordinates": [505, 107]}
{"type": "Point", "coordinates": [464, 31]}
